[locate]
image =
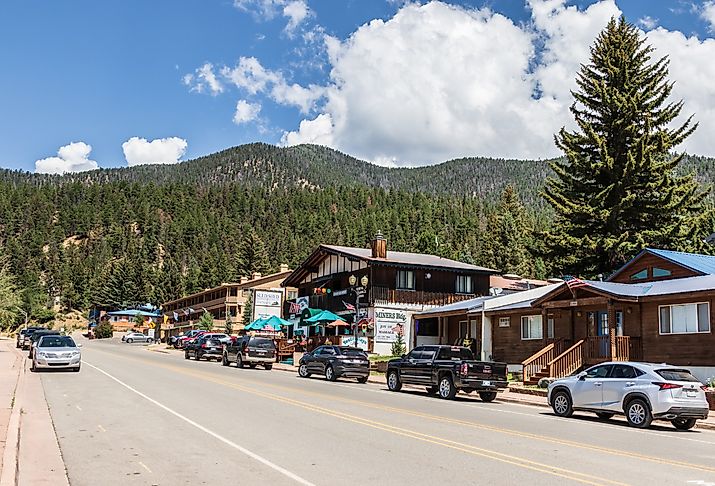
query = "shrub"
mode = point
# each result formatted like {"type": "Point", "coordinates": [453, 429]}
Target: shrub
{"type": "Point", "coordinates": [104, 330]}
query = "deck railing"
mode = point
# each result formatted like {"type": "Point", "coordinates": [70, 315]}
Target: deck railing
{"type": "Point", "coordinates": [567, 362]}
{"type": "Point", "coordinates": [385, 294]}
{"type": "Point", "coordinates": [537, 362]}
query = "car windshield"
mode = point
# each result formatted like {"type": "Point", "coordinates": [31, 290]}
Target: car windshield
{"type": "Point", "coordinates": [261, 343]}
{"type": "Point", "coordinates": [455, 353]}
{"type": "Point", "coordinates": [352, 352]}
{"type": "Point", "coordinates": [56, 342]}
{"type": "Point", "coordinates": [677, 375]}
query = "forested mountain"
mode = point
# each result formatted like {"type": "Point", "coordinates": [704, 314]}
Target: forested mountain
{"type": "Point", "coordinates": [151, 233]}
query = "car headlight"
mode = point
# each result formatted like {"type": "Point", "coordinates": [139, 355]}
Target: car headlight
{"type": "Point", "coordinates": [41, 355]}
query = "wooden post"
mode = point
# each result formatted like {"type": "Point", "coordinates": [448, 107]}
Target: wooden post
{"type": "Point", "coordinates": [611, 327]}
{"type": "Point", "coordinates": [544, 325]}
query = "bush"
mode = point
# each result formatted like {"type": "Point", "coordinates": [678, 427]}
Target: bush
{"type": "Point", "coordinates": [398, 347]}
{"type": "Point", "coordinates": [103, 330]}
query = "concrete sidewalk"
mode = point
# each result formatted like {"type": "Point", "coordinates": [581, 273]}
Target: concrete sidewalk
{"type": "Point", "coordinates": [30, 451]}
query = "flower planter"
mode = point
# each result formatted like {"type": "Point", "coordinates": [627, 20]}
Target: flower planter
{"type": "Point", "coordinates": [382, 366]}
{"type": "Point", "coordinates": [710, 395]}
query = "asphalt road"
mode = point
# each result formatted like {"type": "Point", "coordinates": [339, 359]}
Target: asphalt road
{"type": "Point", "coordinates": [133, 416]}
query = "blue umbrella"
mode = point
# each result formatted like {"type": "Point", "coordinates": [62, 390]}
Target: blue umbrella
{"type": "Point", "coordinates": [272, 323]}
{"type": "Point", "coordinates": [324, 316]}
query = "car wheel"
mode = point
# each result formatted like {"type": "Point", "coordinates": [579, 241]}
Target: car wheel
{"type": "Point", "coordinates": [638, 414]}
{"type": "Point", "coordinates": [239, 361]}
{"type": "Point", "coordinates": [197, 356]}
{"type": "Point", "coordinates": [330, 373]}
{"type": "Point", "coordinates": [561, 403]}
{"type": "Point", "coordinates": [683, 424]}
{"type": "Point", "coordinates": [362, 379]}
{"type": "Point", "coordinates": [186, 355]}
{"type": "Point", "coordinates": [447, 390]}
{"type": "Point", "coordinates": [432, 390]}
{"type": "Point", "coordinates": [268, 366]}
{"type": "Point", "coordinates": [487, 396]}
{"type": "Point", "coordinates": [393, 381]}
{"type": "Point", "coordinates": [224, 359]}
{"type": "Point", "coordinates": [130, 340]}
{"type": "Point", "coordinates": [303, 371]}
{"type": "Point", "coordinates": [605, 415]}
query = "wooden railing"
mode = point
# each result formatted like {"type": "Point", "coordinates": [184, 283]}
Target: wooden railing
{"type": "Point", "coordinates": [384, 294]}
{"type": "Point", "coordinates": [540, 360]}
{"type": "Point", "coordinates": [635, 349]}
{"type": "Point", "coordinates": [567, 362]}
{"type": "Point", "coordinates": [598, 348]}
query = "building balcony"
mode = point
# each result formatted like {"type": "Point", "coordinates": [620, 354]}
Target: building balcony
{"type": "Point", "coordinates": [385, 295]}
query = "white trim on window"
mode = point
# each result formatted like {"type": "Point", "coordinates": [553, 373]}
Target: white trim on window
{"type": "Point", "coordinates": [682, 308]}
{"type": "Point", "coordinates": [534, 327]}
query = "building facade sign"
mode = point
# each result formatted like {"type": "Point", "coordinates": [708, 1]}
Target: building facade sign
{"type": "Point", "coordinates": [388, 324]}
{"type": "Point", "coordinates": [267, 303]}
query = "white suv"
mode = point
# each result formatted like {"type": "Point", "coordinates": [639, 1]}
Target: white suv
{"type": "Point", "coordinates": [641, 391]}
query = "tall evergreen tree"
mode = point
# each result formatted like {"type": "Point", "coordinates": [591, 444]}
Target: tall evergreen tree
{"type": "Point", "coordinates": [9, 296]}
{"type": "Point", "coordinates": [618, 190]}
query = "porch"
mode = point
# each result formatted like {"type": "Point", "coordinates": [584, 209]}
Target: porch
{"type": "Point", "coordinates": [559, 358]}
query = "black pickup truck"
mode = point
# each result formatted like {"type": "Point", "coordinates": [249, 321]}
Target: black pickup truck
{"type": "Point", "coordinates": [446, 370]}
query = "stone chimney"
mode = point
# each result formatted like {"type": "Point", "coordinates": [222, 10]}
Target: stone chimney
{"type": "Point", "coordinates": [244, 279]}
{"type": "Point", "coordinates": [284, 268]}
{"type": "Point", "coordinates": [379, 246]}
{"type": "Point", "coordinates": [256, 275]}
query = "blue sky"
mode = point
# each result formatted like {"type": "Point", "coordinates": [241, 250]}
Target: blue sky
{"type": "Point", "coordinates": [104, 72]}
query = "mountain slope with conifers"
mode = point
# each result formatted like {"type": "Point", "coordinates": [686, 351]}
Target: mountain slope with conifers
{"type": "Point", "coordinates": [154, 233]}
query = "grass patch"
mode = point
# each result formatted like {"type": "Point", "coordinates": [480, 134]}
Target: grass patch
{"type": "Point", "coordinates": [380, 358]}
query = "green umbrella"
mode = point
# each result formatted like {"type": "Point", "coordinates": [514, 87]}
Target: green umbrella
{"type": "Point", "coordinates": [272, 323]}
{"type": "Point", "coordinates": [324, 317]}
{"type": "Point", "coordinates": [257, 324]}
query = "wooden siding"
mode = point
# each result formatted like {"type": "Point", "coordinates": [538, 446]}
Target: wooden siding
{"type": "Point", "coordinates": [678, 349]}
{"type": "Point", "coordinates": [646, 262]}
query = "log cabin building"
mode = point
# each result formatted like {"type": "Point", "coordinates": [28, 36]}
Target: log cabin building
{"type": "Point", "coordinates": [658, 308]}
{"type": "Point", "coordinates": [398, 284]}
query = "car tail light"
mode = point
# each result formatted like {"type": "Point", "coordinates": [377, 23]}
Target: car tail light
{"type": "Point", "coordinates": [464, 371]}
{"type": "Point", "coordinates": [203, 345]}
{"type": "Point", "coordinates": [667, 386]}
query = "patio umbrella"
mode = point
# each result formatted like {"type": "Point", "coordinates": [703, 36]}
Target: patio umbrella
{"type": "Point", "coordinates": [324, 317]}
{"type": "Point", "coordinates": [257, 324]}
{"type": "Point", "coordinates": [337, 323]}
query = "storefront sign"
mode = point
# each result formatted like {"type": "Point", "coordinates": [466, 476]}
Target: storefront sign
{"type": "Point", "coordinates": [388, 323]}
{"type": "Point", "coordinates": [267, 302]}
{"type": "Point", "coordinates": [350, 341]}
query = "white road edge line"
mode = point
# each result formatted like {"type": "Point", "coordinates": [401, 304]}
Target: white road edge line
{"type": "Point", "coordinates": [213, 434]}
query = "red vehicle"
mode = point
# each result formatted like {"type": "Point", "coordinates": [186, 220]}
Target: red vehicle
{"type": "Point", "coordinates": [188, 337]}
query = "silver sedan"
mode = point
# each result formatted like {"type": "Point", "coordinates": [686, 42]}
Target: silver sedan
{"type": "Point", "coordinates": [137, 337]}
{"type": "Point", "coordinates": [56, 352]}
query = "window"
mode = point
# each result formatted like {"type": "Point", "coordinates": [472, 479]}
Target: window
{"type": "Point", "coordinates": [550, 327]}
{"type": "Point", "coordinates": [676, 375]}
{"type": "Point", "coordinates": [455, 354]}
{"type": "Point", "coordinates": [531, 328]}
{"type": "Point", "coordinates": [599, 371]}
{"type": "Point", "coordinates": [661, 272]}
{"type": "Point", "coordinates": [292, 295]}
{"type": "Point", "coordinates": [428, 354]}
{"type": "Point", "coordinates": [643, 274]}
{"type": "Point", "coordinates": [504, 321]}
{"type": "Point", "coordinates": [406, 280]}
{"type": "Point", "coordinates": [464, 284]}
{"type": "Point", "coordinates": [684, 318]}
{"type": "Point", "coordinates": [625, 371]}
{"type": "Point", "coordinates": [415, 353]}
{"type": "Point", "coordinates": [463, 329]}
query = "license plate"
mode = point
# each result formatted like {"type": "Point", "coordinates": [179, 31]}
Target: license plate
{"type": "Point", "coordinates": [691, 393]}
{"type": "Point", "coordinates": [487, 383]}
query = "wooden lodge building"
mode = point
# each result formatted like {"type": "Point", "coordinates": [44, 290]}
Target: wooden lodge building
{"type": "Point", "coordinates": [657, 308]}
{"type": "Point", "coordinates": [398, 284]}
{"type": "Point", "coordinates": [228, 300]}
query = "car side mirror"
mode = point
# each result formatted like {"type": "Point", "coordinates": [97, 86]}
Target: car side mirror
{"type": "Point", "coordinates": [582, 376]}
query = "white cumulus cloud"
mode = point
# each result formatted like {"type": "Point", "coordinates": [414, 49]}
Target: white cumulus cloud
{"type": "Point", "coordinates": [295, 11]}
{"type": "Point", "coordinates": [204, 79]}
{"type": "Point", "coordinates": [438, 81]}
{"type": "Point", "coordinates": [707, 12]}
{"type": "Point", "coordinates": [70, 158]}
{"type": "Point", "coordinates": [246, 112]}
{"type": "Point", "coordinates": [140, 151]}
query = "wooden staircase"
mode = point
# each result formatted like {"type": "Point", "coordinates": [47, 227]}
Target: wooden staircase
{"type": "Point", "coordinates": [537, 365]}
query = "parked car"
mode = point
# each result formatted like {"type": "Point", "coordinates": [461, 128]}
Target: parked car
{"type": "Point", "coordinates": [188, 336]}
{"type": "Point", "coordinates": [55, 351]}
{"type": "Point", "coordinates": [27, 337]}
{"type": "Point", "coordinates": [224, 338]}
{"type": "Point", "coordinates": [643, 392]}
{"type": "Point", "coordinates": [250, 350]}
{"type": "Point", "coordinates": [335, 362]}
{"type": "Point", "coordinates": [20, 338]}
{"type": "Point", "coordinates": [35, 336]}
{"type": "Point", "coordinates": [204, 347]}
{"type": "Point", "coordinates": [137, 337]}
{"type": "Point", "coordinates": [446, 370]}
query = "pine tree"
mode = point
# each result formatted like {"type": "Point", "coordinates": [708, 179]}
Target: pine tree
{"type": "Point", "coordinates": [206, 322]}
{"type": "Point", "coordinates": [248, 310]}
{"type": "Point", "coordinates": [252, 255]}
{"type": "Point", "coordinates": [398, 347]}
{"type": "Point", "coordinates": [618, 191]}
{"type": "Point", "coordinates": [9, 297]}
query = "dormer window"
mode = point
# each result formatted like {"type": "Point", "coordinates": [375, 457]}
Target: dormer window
{"type": "Point", "coordinates": [661, 272]}
{"type": "Point", "coordinates": [642, 275]}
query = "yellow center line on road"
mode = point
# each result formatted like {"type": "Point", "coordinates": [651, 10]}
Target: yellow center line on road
{"type": "Point", "coordinates": [466, 448]}
{"type": "Point", "coordinates": [475, 425]}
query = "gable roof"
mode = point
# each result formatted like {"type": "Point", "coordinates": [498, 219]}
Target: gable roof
{"type": "Point", "coordinates": [698, 263]}
{"type": "Point", "coordinates": [637, 292]}
{"type": "Point", "coordinates": [397, 258]}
